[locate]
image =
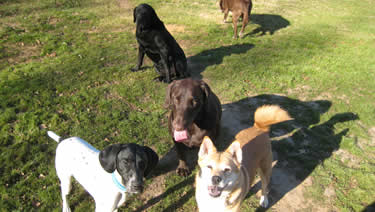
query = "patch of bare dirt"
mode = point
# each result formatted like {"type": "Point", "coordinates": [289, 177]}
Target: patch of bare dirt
{"type": "Point", "coordinates": [346, 158]}
{"type": "Point", "coordinates": [25, 53]}
{"type": "Point", "coordinates": [371, 132]}
{"type": "Point", "coordinates": [175, 29]}
{"type": "Point", "coordinates": [125, 4]}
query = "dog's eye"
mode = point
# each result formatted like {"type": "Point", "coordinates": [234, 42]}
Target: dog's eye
{"type": "Point", "coordinates": [127, 161]}
{"type": "Point", "coordinates": [176, 101]}
{"type": "Point", "coordinates": [194, 102]}
{"type": "Point", "coordinates": [226, 170]}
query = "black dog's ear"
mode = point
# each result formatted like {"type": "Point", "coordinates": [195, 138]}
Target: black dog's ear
{"type": "Point", "coordinates": [134, 15]}
{"type": "Point", "coordinates": [205, 88]}
{"type": "Point", "coordinates": [152, 159]}
{"type": "Point", "coordinates": [168, 96]}
{"type": "Point", "coordinates": [107, 157]}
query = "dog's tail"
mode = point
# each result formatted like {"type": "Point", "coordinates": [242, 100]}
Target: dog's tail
{"type": "Point", "coordinates": [268, 115]}
{"type": "Point", "coordinates": [54, 136]}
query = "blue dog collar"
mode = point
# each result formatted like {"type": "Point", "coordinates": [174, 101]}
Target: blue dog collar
{"type": "Point", "coordinates": [117, 183]}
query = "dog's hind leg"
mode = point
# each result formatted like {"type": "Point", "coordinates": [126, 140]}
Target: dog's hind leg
{"type": "Point", "coordinates": [65, 188]}
{"type": "Point", "coordinates": [235, 17]}
{"type": "Point", "coordinates": [265, 176]}
{"type": "Point", "coordinates": [244, 23]}
{"type": "Point", "coordinates": [141, 55]}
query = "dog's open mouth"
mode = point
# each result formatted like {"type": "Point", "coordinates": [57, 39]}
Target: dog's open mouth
{"type": "Point", "coordinates": [214, 191]}
{"type": "Point", "coordinates": [180, 135]}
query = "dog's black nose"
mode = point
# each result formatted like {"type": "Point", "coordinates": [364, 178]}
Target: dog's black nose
{"type": "Point", "coordinates": [216, 180]}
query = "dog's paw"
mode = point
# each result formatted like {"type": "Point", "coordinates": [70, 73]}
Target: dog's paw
{"type": "Point", "coordinates": [242, 35]}
{"type": "Point", "coordinates": [134, 69]}
{"type": "Point", "coordinates": [66, 209]}
{"type": "Point", "coordinates": [158, 79]}
{"type": "Point", "coordinates": [183, 171]}
{"type": "Point", "coordinates": [263, 201]}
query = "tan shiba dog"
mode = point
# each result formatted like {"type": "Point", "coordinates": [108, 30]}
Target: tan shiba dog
{"type": "Point", "coordinates": [225, 178]}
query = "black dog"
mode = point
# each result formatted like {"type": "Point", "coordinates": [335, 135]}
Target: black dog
{"type": "Point", "coordinates": [158, 44]}
{"type": "Point", "coordinates": [195, 113]}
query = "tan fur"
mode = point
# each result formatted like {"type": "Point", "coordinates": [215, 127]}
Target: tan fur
{"type": "Point", "coordinates": [238, 8]}
{"type": "Point", "coordinates": [250, 151]}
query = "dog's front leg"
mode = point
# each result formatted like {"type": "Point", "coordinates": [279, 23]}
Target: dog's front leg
{"type": "Point", "coordinates": [141, 55]}
{"type": "Point", "coordinates": [183, 168]}
{"type": "Point", "coordinates": [225, 16]}
{"type": "Point", "coordinates": [164, 60]}
{"type": "Point", "coordinates": [109, 202]}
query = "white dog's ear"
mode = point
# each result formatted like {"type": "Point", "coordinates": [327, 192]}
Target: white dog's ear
{"type": "Point", "coordinates": [207, 147]}
{"type": "Point", "coordinates": [235, 150]}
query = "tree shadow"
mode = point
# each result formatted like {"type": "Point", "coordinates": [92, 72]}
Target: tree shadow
{"type": "Point", "coordinates": [369, 208]}
{"type": "Point", "coordinates": [172, 207]}
{"type": "Point", "coordinates": [299, 145]}
{"type": "Point", "coordinates": [268, 23]}
{"type": "Point", "coordinates": [199, 62]}
{"type": "Point", "coordinates": [170, 160]}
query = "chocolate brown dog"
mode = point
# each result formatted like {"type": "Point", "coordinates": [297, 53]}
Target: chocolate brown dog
{"type": "Point", "coordinates": [238, 8]}
{"type": "Point", "coordinates": [195, 112]}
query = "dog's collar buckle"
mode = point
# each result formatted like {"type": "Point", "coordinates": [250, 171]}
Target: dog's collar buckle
{"type": "Point", "coordinates": [117, 183]}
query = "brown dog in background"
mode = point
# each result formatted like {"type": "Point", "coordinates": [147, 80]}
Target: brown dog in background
{"type": "Point", "coordinates": [238, 8]}
{"type": "Point", "coordinates": [225, 178]}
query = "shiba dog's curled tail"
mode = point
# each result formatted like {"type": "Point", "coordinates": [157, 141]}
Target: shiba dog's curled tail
{"type": "Point", "coordinates": [267, 115]}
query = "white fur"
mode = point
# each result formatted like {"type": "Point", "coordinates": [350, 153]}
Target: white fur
{"type": "Point", "coordinates": [76, 158]}
{"type": "Point", "coordinates": [204, 200]}
{"type": "Point", "coordinates": [263, 201]}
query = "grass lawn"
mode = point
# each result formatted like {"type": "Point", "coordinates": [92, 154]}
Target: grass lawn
{"type": "Point", "coordinates": [65, 66]}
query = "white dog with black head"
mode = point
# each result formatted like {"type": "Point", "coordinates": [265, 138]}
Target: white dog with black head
{"type": "Point", "coordinates": [107, 175]}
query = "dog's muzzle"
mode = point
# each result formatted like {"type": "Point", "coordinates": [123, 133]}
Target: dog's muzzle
{"type": "Point", "coordinates": [214, 191]}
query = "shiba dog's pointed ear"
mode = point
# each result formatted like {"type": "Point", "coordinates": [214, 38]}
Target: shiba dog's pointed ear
{"type": "Point", "coordinates": [235, 150]}
{"type": "Point", "coordinates": [207, 147]}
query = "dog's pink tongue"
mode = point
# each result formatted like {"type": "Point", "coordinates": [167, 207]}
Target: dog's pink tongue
{"type": "Point", "coordinates": [214, 191]}
{"type": "Point", "coordinates": [180, 135]}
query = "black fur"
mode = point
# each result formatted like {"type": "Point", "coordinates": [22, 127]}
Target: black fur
{"type": "Point", "coordinates": [131, 161]}
{"type": "Point", "coordinates": [159, 45]}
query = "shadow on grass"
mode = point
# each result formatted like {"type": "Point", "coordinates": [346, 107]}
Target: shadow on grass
{"type": "Point", "coordinates": [369, 208]}
{"type": "Point", "coordinates": [268, 23]}
{"type": "Point", "coordinates": [199, 62]}
{"type": "Point", "coordinates": [181, 200]}
{"type": "Point", "coordinates": [300, 145]}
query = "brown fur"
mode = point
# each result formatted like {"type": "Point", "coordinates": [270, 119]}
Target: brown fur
{"type": "Point", "coordinates": [200, 119]}
{"type": "Point", "coordinates": [238, 8]}
{"type": "Point", "coordinates": [251, 150]}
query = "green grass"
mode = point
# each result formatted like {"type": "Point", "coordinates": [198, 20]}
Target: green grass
{"type": "Point", "coordinates": [65, 66]}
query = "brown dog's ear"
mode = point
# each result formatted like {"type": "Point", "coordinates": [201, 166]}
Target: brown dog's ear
{"type": "Point", "coordinates": [235, 150]}
{"type": "Point", "coordinates": [168, 96]}
{"type": "Point", "coordinates": [207, 147]}
{"type": "Point", "coordinates": [205, 88]}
